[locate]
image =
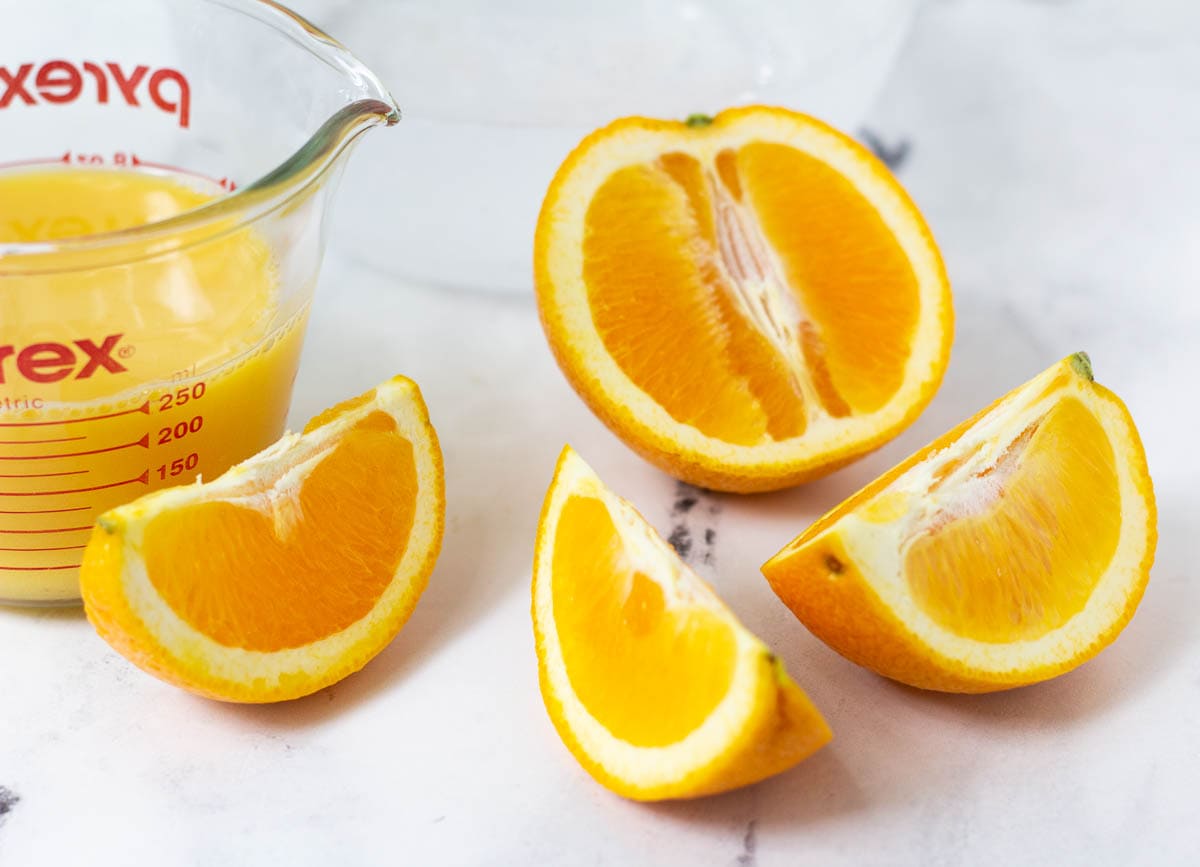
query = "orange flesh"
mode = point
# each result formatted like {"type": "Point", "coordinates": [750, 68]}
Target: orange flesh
{"type": "Point", "coordinates": [318, 542]}
{"type": "Point", "coordinates": [772, 271]}
{"type": "Point", "coordinates": [853, 279]}
{"type": "Point", "coordinates": [648, 673]}
{"type": "Point", "coordinates": [1020, 553]}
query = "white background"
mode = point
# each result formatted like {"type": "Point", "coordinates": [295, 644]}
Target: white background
{"type": "Point", "coordinates": [1053, 150]}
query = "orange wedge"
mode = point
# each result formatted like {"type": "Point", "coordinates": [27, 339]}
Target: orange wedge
{"type": "Point", "coordinates": [749, 301]}
{"type": "Point", "coordinates": [1009, 551]}
{"type": "Point", "coordinates": [649, 679]}
{"type": "Point", "coordinates": [287, 573]}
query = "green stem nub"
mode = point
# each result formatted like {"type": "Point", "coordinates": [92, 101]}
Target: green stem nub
{"type": "Point", "coordinates": [698, 121]}
{"type": "Point", "coordinates": [1083, 366]}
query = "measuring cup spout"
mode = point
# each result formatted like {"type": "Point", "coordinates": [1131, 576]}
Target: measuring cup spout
{"type": "Point", "coordinates": [371, 104]}
{"type": "Point", "coordinates": [328, 143]}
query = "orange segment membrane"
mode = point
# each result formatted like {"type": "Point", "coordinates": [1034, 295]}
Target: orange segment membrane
{"type": "Point", "coordinates": [665, 311]}
{"type": "Point", "coordinates": [847, 270]}
{"type": "Point", "coordinates": [647, 672]}
{"type": "Point", "coordinates": [784, 292]}
{"type": "Point", "coordinates": [1018, 549]}
{"type": "Point", "coordinates": [230, 569]}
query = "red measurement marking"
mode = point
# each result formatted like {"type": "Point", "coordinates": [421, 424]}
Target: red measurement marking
{"type": "Point", "coordinates": [118, 159]}
{"type": "Point", "coordinates": [41, 475]}
{"type": "Point", "coordinates": [45, 511]}
{"type": "Point", "coordinates": [144, 408]}
{"type": "Point", "coordinates": [224, 183]}
{"type": "Point", "coordinates": [37, 161]}
{"type": "Point", "coordinates": [41, 442]}
{"type": "Point", "coordinates": [36, 550]}
{"type": "Point", "coordinates": [40, 532]}
{"type": "Point", "coordinates": [37, 568]}
{"type": "Point", "coordinates": [144, 442]}
{"type": "Point", "coordinates": [144, 478]}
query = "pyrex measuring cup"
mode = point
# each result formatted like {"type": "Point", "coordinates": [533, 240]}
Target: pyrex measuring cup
{"type": "Point", "coordinates": [150, 330]}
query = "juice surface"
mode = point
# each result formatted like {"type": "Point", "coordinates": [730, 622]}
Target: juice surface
{"type": "Point", "coordinates": [119, 379]}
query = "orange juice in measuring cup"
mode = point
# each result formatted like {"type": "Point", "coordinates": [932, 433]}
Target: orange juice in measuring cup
{"type": "Point", "coordinates": [161, 228]}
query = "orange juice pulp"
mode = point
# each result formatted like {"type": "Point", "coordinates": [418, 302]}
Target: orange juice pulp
{"type": "Point", "coordinates": [122, 378]}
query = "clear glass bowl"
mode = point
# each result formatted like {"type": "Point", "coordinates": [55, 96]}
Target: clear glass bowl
{"type": "Point", "coordinates": [495, 95]}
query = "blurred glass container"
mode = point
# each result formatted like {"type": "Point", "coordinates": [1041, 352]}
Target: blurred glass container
{"type": "Point", "coordinates": [495, 94]}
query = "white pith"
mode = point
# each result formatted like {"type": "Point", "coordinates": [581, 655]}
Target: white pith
{"type": "Point", "coordinates": [824, 434]}
{"type": "Point", "coordinates": [760, 290]}
{"type": "Point", "coordinates": [878, 548]}
{"type": "Point", "coordinates": [649, 554]}
{"type": "Point", "coordinates": [289, 461]}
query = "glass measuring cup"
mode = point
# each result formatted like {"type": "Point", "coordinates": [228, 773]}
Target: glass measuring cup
{"type": "Point", "coordinates": [165, 172]}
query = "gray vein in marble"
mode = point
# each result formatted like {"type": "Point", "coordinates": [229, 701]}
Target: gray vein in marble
{"type": "Point", "coordinates": [8, 800]}
{"type": "Point", "coordinates": [693, 532]}
{"type": "Point", "coordinates": [894, 156]}
{"type": "Point", "coordinates": [748, 857]}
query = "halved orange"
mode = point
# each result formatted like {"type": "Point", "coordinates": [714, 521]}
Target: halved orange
{"type": "Point", "coordinates": [1011, 550]}
{"type": "Point", "coordinates": [651, 682]}
{"type": "Point", "coordinates": [749, 301]}
{"type": "Point", "coordinates": [287, 573]}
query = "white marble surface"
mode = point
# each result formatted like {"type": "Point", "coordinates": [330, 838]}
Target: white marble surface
{"type": "Point", "coordinates": [1053, 149]}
